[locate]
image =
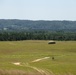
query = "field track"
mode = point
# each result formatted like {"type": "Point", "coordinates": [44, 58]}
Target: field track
{"type": "Point", "coordinates": [42, 72]}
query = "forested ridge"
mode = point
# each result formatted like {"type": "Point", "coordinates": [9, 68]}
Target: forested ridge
{"type": "Point", "coordinates": [27, 25]}
{"type": "Point", "coordinates": [11, 30]}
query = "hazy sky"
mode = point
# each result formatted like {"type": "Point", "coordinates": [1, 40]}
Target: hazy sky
{"type": "Point", "coordinates": [38, 9]}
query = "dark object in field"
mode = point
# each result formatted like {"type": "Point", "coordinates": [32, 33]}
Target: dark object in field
{"type": "Point", "coordinates": [51, 42]}
{"type": "Point", "coordinates": [52, 58]}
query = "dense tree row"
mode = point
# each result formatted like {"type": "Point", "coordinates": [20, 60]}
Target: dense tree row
{"type": "Point", "coordinates": [37, 35]}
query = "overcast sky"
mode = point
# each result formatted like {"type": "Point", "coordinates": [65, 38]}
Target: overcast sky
{"type": "Point", "coordinates": [38, 9]}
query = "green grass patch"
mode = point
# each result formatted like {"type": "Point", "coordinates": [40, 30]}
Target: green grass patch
{"type": "Point", "coordinates": [64, 53]}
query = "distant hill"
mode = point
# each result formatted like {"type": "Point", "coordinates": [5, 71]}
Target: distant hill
{"type": "Point", "coordinates": [28, 25]}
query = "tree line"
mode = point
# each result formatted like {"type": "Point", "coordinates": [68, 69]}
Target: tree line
{"type": "Point", "coordinates": [37, 35]}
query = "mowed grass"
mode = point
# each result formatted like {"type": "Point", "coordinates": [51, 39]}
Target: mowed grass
{"type": "Point", "coordinates": [27, 51]}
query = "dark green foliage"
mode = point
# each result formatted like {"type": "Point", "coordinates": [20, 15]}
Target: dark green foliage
{"type": "Point", "coordinates": [37, 35]}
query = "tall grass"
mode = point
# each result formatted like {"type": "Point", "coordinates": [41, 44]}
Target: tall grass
{"type": "Point", "coordinates": [17, 72]}
{"type": "Point", "coordinates": [20, 72]}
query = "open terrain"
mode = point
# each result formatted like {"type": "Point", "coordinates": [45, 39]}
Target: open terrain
{"type": "Point", "coordinates": [34, 57]}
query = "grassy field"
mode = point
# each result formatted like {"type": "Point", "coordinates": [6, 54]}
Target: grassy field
{"type": "Point", "coordinates": [25, 53]}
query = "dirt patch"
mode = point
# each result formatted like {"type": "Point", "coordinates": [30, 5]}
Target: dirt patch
{"type": "Point", "coordinates": [17, 63]}
{"type": "Point", "coordinates": [37, 60]}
